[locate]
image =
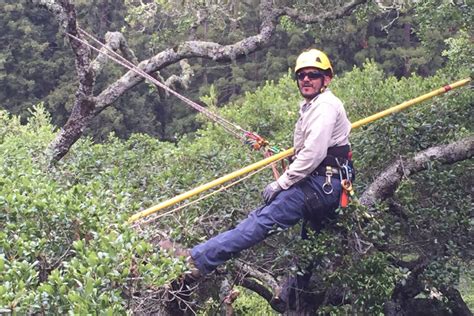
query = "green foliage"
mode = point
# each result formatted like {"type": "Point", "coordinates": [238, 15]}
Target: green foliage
{"type": "Point", "coordinates": [37, 65]}
{"type": "Point", "coordinates": [248, 303]}
{"type": "Point", "coordinates": [367, 90]}
{"type": "Point", "coordinates": [343, 258]}
{"type": "Point", "coordinates": [466, 285]}
{"type": "Point", "coordinates": [65, 246]}
{"type": "Point", "coordinates": [64, 243]}
{"type": "Point", "coordinates": [438, 17]}
{"type": "Point", "coordinates": [460, 53]}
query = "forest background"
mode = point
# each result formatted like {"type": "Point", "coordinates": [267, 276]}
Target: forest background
{"type": "Point", "coordinates": [36, 63]}
{"type": "Point", "coordinates": [64, 246]}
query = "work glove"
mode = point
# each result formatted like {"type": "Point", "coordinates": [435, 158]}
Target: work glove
{"type": "Point", "coordinates": [271, 191]}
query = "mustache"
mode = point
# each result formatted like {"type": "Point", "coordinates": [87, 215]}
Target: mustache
{"type": "Point", "coordinates": [307, 84]}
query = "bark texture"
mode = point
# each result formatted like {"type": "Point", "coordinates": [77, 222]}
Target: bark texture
{"type": "Point", "coordinates": [387, 182]}
{"type": "Point", "coordinates": [403, 301]}
{"type": "Point", "coordinates": [87, 106]}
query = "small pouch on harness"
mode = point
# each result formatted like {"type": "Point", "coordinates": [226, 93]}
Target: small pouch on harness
{"type": "Point", "coordinates": [314, 211]}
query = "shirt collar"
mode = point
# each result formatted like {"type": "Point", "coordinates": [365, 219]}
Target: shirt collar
{"type": "Point", "coordinates": [305, 106]}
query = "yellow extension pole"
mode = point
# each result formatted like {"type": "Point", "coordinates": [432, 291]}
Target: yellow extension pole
{"type": "Point", "coordinates": [411, 102]}
{"type": "Point", "coordinates": [288, 152]}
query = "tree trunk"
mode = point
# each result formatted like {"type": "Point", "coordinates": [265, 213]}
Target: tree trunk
{"type": "Point", "coordinates": [80, 118]}
{"type": "Point", "coordinates": [65, 13]}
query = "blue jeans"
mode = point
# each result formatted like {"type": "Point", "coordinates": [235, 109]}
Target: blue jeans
{"type": "Point", "coordinates": [283, 212]}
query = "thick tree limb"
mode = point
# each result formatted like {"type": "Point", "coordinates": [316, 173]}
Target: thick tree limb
{"type": "Point", "coordinates": [84, 104]}
{"type": "Point", "coordinates": [382, 188]}
{"type": "Point", "coordinates": [56, 9]}
{"type": "Point", "coordinates": [264, 292]}
{"type": "Point", "coordinates": [456, 303]}
{"type": "Point", "coordinates": [247, 271]}
{"type": "Point", "coordinates": [114, 41]}
{"type": "Point", "coordinates": [65, 14]}
{"type": "Point", "coordinates": [89, 107]}
{"type": "Point", "coordinates": [183, 80]}
{"type": "Point", "coordinates": [387, 182]}
{"type": "Point", "coordinates": [412, 285]}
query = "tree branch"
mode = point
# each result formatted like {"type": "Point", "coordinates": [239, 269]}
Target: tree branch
{"type": "Point", "coordinates": [114, 41]}
{"type": "Point", "coordinates": [382, 188]}
{"type": "Point", "coordinates": [455, 302]}
{"type": "Point", "coordinates": [84, 104]}
{"type": "Point", "coordinates": [212, 50]}
{"type": "Point", "coordinates": [387, 182]}
{"type": "Point", "coordinates": [183, 80]}
{"type": "Point", "coordinates": [64, 12]}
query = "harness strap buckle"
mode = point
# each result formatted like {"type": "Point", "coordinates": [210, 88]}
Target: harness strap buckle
{"type": "Point", "coordinates": [327, 186]}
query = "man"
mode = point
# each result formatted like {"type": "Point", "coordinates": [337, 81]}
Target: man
{"type": "Point", "coordinates": [310, 188]}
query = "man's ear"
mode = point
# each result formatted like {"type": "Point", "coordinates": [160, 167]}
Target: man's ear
{"type": "Point", "coordinates": [327, 80]}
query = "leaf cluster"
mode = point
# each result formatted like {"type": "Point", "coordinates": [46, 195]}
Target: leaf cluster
{"type": "Point", "coordinates": [65, 245]}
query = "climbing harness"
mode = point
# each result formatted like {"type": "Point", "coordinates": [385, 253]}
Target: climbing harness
{"type": "Point", "coordinates": [331, 165]}
{"type": "Point", "coordinates": [338, 161]}
{"type": "Point", "coordinates": [289, 152]}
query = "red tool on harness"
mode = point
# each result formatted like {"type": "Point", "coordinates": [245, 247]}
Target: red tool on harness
{"type": "Point", "coordinates": [347, 192]}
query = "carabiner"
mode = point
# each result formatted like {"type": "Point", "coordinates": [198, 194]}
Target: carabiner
{"type": "Point", "coordinates": [347, 186]}
{"type": "Point", "coordinates": [327, 186]}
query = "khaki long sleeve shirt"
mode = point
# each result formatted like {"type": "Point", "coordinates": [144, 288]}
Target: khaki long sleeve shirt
{"type": "Point", "coordinates": [322, 123]}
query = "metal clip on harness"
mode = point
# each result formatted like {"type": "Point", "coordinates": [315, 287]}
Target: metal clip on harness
{"type": "Point", "coordinates": [327, 186]}
{"type": "Point", "coordinates": [345, 175]}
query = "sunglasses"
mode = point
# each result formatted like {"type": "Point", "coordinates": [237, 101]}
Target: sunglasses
{"type": "Point", "coordinates": [311, 75]}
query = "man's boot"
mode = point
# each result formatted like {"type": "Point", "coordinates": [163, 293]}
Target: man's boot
{"type": "Point", "coordinates": [177, 250]}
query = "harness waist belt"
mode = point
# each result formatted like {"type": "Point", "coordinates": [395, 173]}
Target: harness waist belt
{"type": "Point", "coordinates": [339, 151]}
{"type": "Point", "coordinates": [342, 153]}
{"type": "Point", "coordinates": [321, 171]}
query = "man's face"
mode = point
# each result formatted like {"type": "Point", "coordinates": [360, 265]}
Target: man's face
{"type": "Point", "coordinates": [310, 82]}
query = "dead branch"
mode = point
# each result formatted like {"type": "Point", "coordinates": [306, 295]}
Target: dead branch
{"type": "Point", "coordinates": [114, 41]}
{"type": "Point", "coordinates": [381, 189]}
{"type": "Point", "coordinates": [387, 182]}
{"type": "Point", "coordinates": [184, 79]}
{"type": "Point", "coordinates": [87, 106]}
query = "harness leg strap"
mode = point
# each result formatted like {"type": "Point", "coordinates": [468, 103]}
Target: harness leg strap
{"type": "Point", "coordinates": [312, 211]}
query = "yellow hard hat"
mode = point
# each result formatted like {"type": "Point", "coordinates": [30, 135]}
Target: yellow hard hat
{"type": "Point", "coordinates": [313, 58]}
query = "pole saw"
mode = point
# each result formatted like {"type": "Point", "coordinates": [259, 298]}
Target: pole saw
{"type": "Point", "coordinates": [290, 152]}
